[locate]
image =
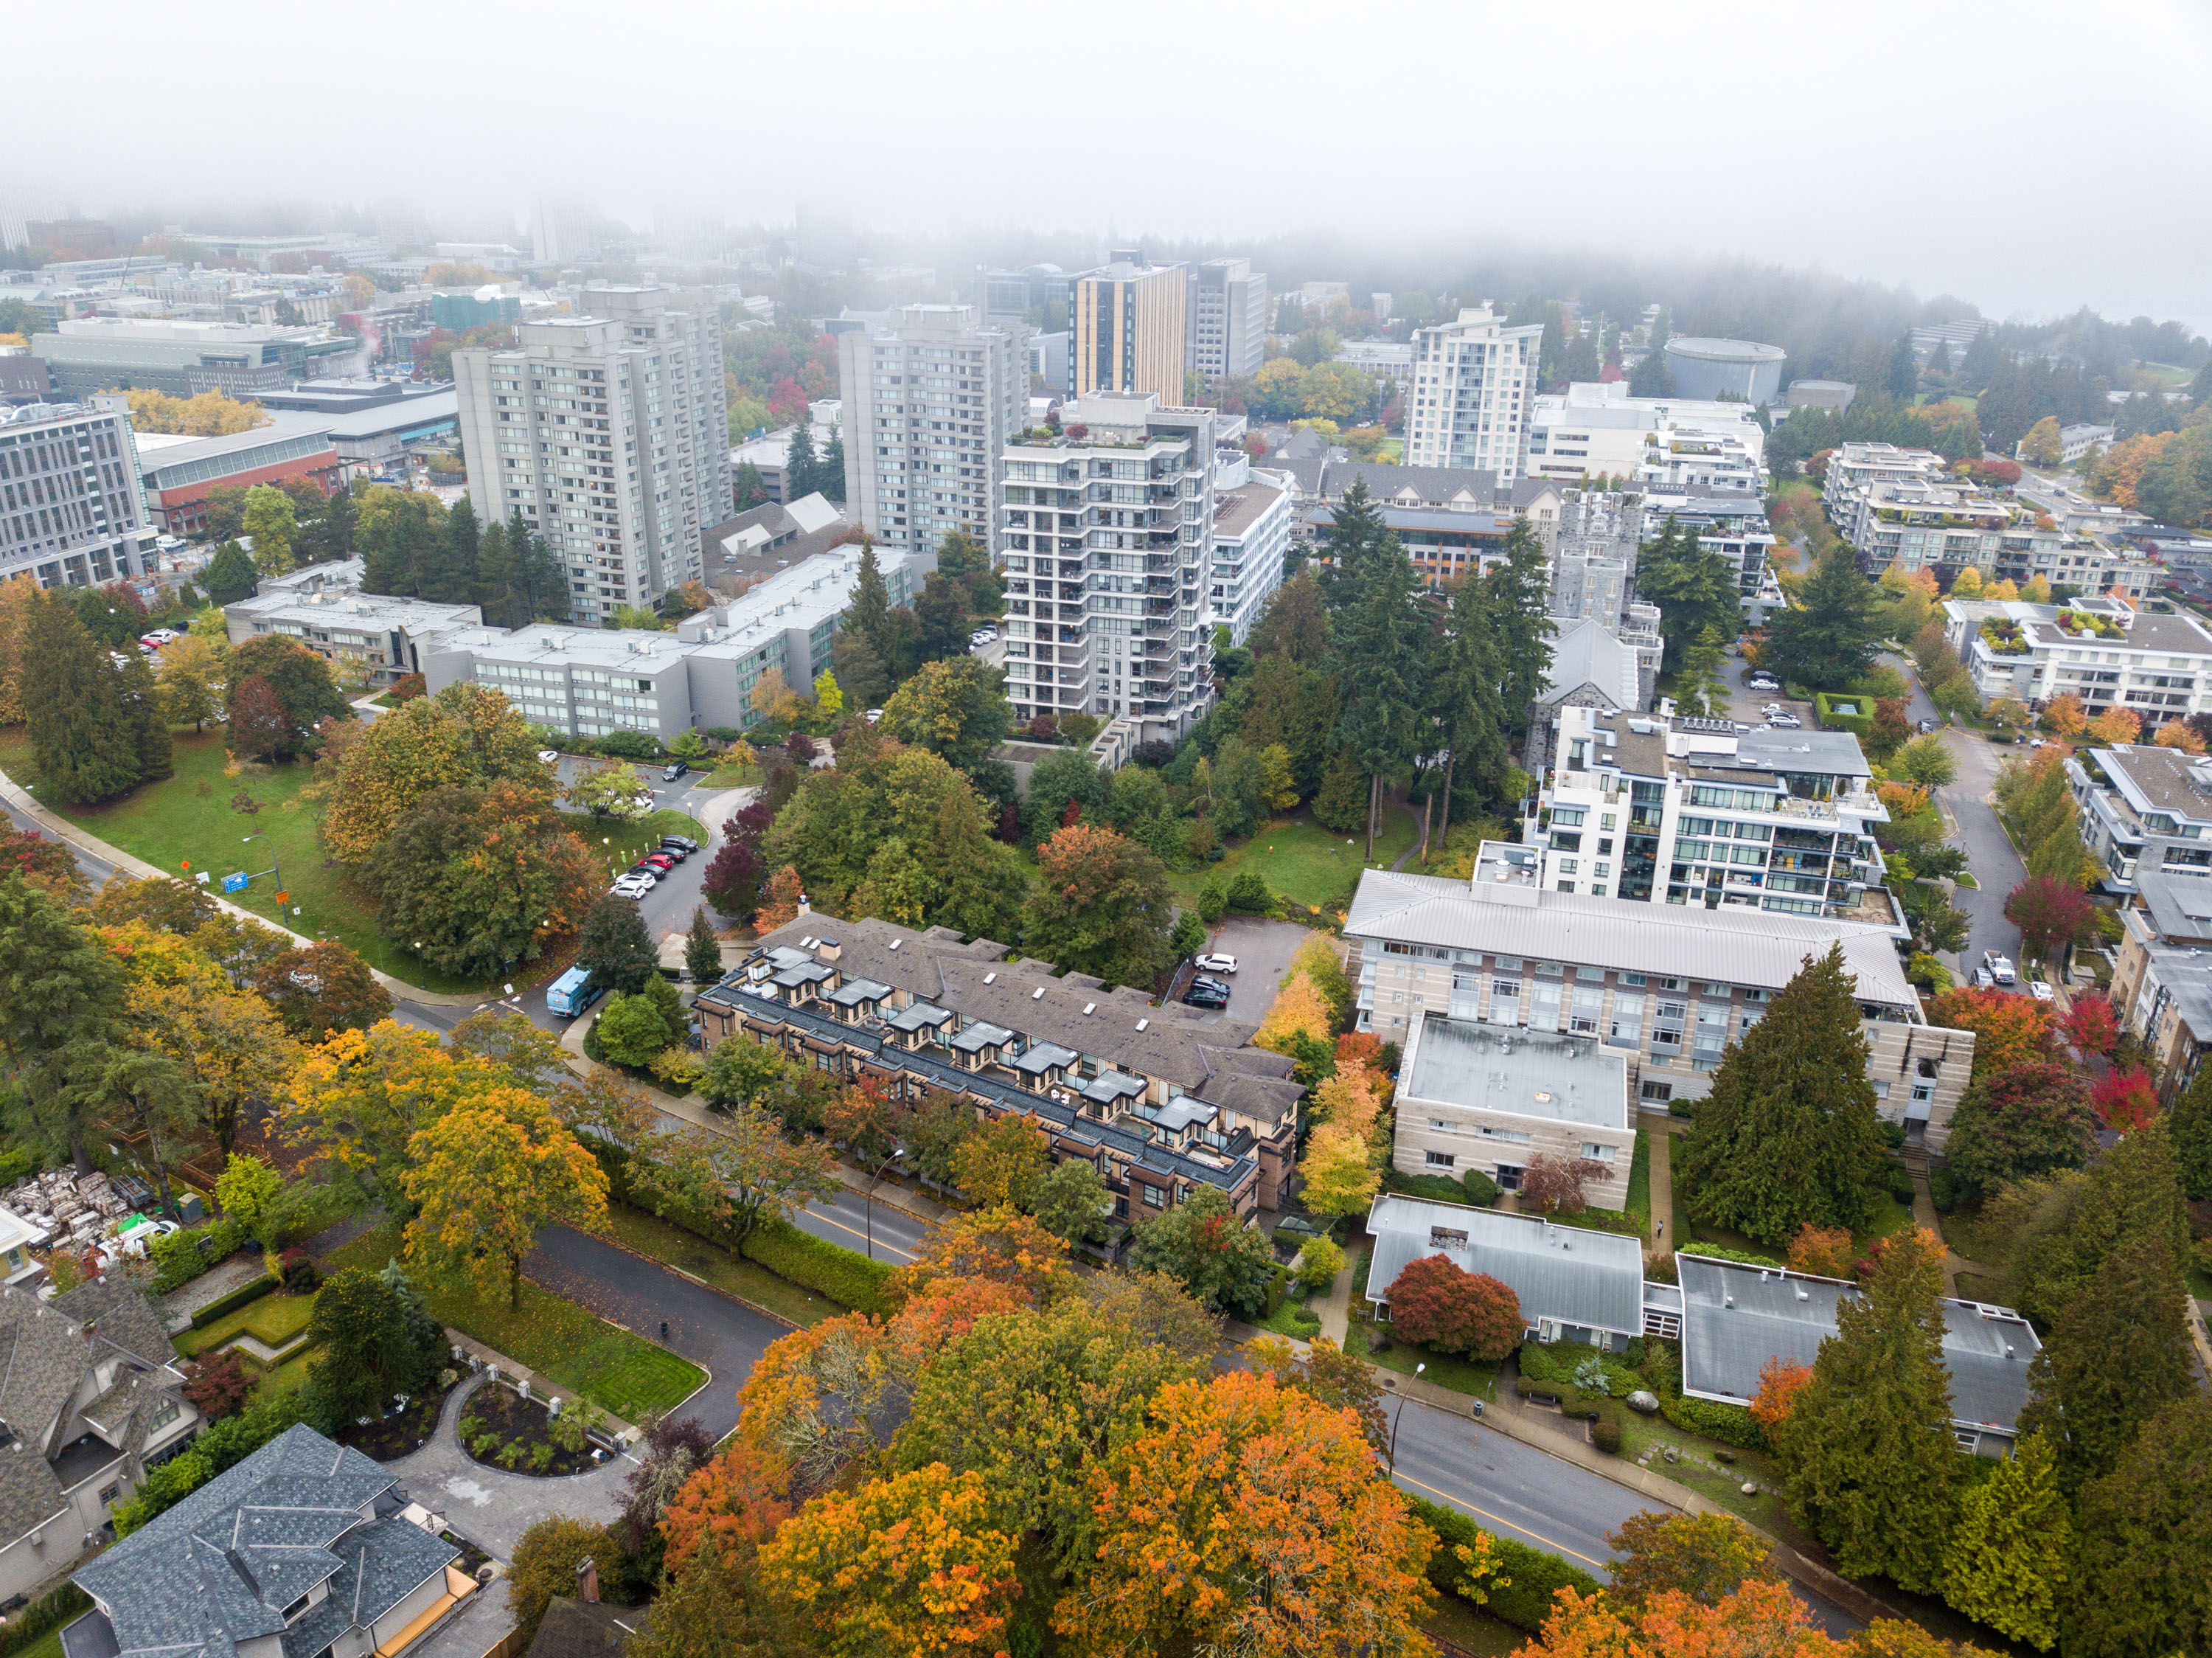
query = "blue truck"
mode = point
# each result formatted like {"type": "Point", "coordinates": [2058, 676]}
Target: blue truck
{"type": "Point", "coordinates": [573, 992]}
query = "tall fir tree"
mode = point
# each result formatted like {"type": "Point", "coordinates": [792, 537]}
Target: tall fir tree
{"type": "Point", "coordinates": [831, 476]}
{"type": "Point", "coordinates": [2190, 1125]}
{"type": "Point", "coordinates": [1828, 637]}
{"type": "Point", "coordinates": [2118, 1353]}
{"type": "Point", "coordinates": [1381, 635]}
{"type": "Point", "coordinates": [85, 748]}
{"type": "Point", "coordinates": [1464, 703]}
{"type": "Point", "coordinates": [230, 575]}
{"type": "Point", "coordinates": [703, 951]}
{"type": "Point", "coordinates": [147, 717]}
{"type": "Point", "coordinates": [2143, 1535]}
{"type": "Point", "coordinates": [450, 577]}
{"type": "Point", "coordinates": [1517, 595]}
{"type": "Point", "coordinates": [2130, 1193]}
{"type": "Point", "coordinates": [499, 577]}
{"type": "Point", "coordinates": [748, 489]}
{"type": "Point", "coordinates": [1788, 1132]}
{"type": "Point", "coordinates": [1694, 587]}
{"type": "Point", "coordinates": [870, 604]}
{"type": "Point", "coordinates": [2013, 1548]}
{"type": "Point", "coordinates": [1873, 1470]}
{"type": "Point", "coordinates": [801, 470]}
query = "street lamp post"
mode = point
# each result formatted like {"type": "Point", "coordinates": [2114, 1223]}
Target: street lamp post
{"type": "Point", "coordinates": [1394, 1420]}
{"type": "Point", "coordinates": [868, 1198]}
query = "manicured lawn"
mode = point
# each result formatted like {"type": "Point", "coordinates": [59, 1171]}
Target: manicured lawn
{"type": "Point", "coordinates": [273, 1320]}
{"type": "Point", "coordinates": [663, 1240]}
{"type": "Point", "coordinates": [1304, 861]}
{"type": "Point", "coordinates": [1722, 1484]}
{"type": "Point", "coordinates": [734, 776]}
{"type": "Point", "coordinates": [1450, 1370]}
{"type": "Point", "coordinates": [1292, 1319]}
{"type": "Point", "coordinates": [1471, 1629]}
{"type": "Point", "coordinates": [48, 1645]}
{"type": "Point", "coordinates": [617, 845]}
{"type": "Point", "coordinates": [195, 817]}
{"type": "Point", "coordinates": [288, 1377]}
{"type": "Point", "coordinates": [617, 1371]}
{"type": "Point", "coordinates": [1639, 1183]}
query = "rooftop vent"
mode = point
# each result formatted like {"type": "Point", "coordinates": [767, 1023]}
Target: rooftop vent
{"type": "Point", "coordinates": [1804, 1294]}
{"type": "Point", "coordinates": [1037, 994]}
{"type": "Point", "coordinates": [990, 979]}
{"type": "Point", "coordinates": [1141, 1023]}
{"type": "Point", "coordinates": [1089, 1006]}
{"type": "Point", "coordinates": [897, 943]}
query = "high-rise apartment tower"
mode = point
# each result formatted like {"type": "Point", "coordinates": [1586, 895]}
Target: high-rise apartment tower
{"type": "Point", "coordinates": [1126, 321]}
{"type": "Point", "coordinates": [1474, 384]}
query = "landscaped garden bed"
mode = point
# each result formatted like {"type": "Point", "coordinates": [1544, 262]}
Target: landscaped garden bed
{"type": "Point", "coordinates": [502, 1429]}
{"type": "Point", "coordinates": [403, 1428]}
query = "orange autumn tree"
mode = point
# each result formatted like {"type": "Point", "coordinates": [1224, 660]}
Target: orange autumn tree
{"type": "Point", "coordinates": [909, 1567]}
{"type": "Point", "coordinates": [738, 1498]}
{"type": "Point", "coordinates": [2063, 715]}
{"type": "Point", "coordinates": [1779, 1383]}
{"type": "Point", "coordinates": [2008, 1030]}
{"type": "Point", "coordinates": [1001, 1245]}
{"type": "Point", "coordinates": [2179, 733]}
{"type": "Point", "coordinates": [781, 905]}
{"type": "Point", "coordinates": [1759, 1620]}
{"type": "Point", "coordinates": [1246, 1518]}
{"type": "Point", "coordinates": [2115, 726]}
{"type": "Point", "coordinates": [1825, 1252]}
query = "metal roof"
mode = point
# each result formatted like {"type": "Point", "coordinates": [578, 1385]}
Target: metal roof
{"type": "Point", "coordinates": [1736, 1318]}
{"type": "Point", "coordinates": [1594, 1279]}
{"type": "Point", "coordinates": [1752, 947]}
{"type": "Point", "coordinates": [1516, 1072]}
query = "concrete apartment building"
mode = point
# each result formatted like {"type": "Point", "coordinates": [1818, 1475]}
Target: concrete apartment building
{"type": "Point", "coordinates": [930, 402]}
{"type": "Point", "coordinates": [1108, 539]}
{"type": "Point", "coordinates": [2162, 972]}
{"type": "Point", "coordinates": [1251, 537]}
{"type": "Point", "coordinates": [593, 682]}
{"type": "Point", "coordinates": [2137, 796]}
{"type": "Point", "coordinates": [1472, 393]}
{"type": "Point", "coordinates": [2103, 651]}
{"type": "Point", "coordinates": [1596, 430]}
{"type": "Point", "coordinates": [1668, 987]}
{"type": "Point", "coordinates": [1662, 810]}
{"type": "Point", "coordinates": [608, 431]}
{"type": "Point", "coordinates": [1491, 1097]}
{"type": "Point", "coordinates": [1127, 323]}
{"type": "Point", "coordinates": [1225, 319]}
{"type": "Point", "coordinates": [72, 511]}
{"type": "Point", "coordinates": [184, 358]}
{"type": "Point", "coordinates": [376, 637]}
{"type": "Point", "coordinates": [1574, 1285]}
{"type": "Point", "coordinates": [1160, 1100]}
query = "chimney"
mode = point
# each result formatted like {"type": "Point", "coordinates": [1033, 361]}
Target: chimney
{"type": "Point", "coordinates": [88, 1330]}
{"type": "Point", "coordinates": [587, 1579]}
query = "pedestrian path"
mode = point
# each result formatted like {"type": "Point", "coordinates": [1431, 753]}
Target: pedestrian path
{"type": "Point", "coordinates": [1659, 1132]}
{"type": "Point", "coordinates": [1336, 1310]}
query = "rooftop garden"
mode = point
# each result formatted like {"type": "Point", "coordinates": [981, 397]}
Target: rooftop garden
{"type": "Point", "coordinates": [2082, 625]}
{"type": "Point", "coordinates": [2004, 636]}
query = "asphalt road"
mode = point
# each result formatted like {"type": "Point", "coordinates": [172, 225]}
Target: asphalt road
{"type": "Point", "coordinates": [1263, 950]}
{"type": "Point", "coordinates": [725, 1336]}
{"type": "Point", "coordinates": [1989, 854]}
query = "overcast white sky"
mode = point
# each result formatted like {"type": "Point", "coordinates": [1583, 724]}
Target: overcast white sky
{"type": "Point", "coordinates": [2030, 156]}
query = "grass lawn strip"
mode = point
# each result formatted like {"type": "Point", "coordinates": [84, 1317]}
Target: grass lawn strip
{"type": "Point", "coordinates": [1303, 860]}
{"type": "Point", "coordinates": [622, 1374]}
{"type": "Point", "coordinates": [687, 1252]}
{"type": "Point", "coordinates": [170, 823]}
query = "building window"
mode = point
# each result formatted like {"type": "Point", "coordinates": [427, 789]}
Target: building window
{"type": "Point", "coordinates": [1439, 1159]}
{"type": "Point", "coordinates": [1657, 1093]}
{"type": "Point", "coordinates": [1155, 1197]}
{"type": "Point", "coordinates": [1598, 1154]}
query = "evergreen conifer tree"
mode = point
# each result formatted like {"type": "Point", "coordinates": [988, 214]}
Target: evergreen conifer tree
{"type": "Point", "coordinates": [1873, 1469]}
{"type": "Point", "coordinates": [451, 576]}
{"type": "Point", "coordinates": [1828, 637]}
{"type": "Point", "coordinates": [2130, 1194]}
{"type": "Point", "coordinates": [499, 577]}
{"type": "Point", "coordinates": [2190, 1125]}
{"type": "Point", "coordinates": [148, 718]}
{"type": "Point", "coordinates": [703, 951]}
{"type": "Point", "coordinates": [85, 748]}
{"type": "Point", "coordinates": [2014, 1545]}
{"type": "Point", "coordinates": [1516, 593]}
{"type": "Point", "coordinates": [1789, 1133]}
{"type": "Point", "coordinates": [2118, 1353]}
{"type": "Point", "coordinates": [870, 604]}
{"type": "Point", "coordinates": [1381, 637]}
{"type": "Point", "coordinates": [748, 488]}
{"type": "Point", "coordinates": [801, 469]}
{"type": "Point", "coordinates": [831, 476]}
{"type": "Point", "coordinates": [2143, 1533]}
{"type": "Point", "coordinates": [230, 575]}
{"type": "Point", "coordinates": [1341, 805]}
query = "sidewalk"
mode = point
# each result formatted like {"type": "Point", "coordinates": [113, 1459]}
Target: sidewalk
{"type": "Point", "coordinates": [71, 835]}
{"type": "Point", "coordinates": [1660, 1130]}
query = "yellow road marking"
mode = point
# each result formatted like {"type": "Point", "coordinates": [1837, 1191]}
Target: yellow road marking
{"type": "Point", "coordinates": [857, 1232]}
{"type": "Point", "coordinates": [1501, 1519]}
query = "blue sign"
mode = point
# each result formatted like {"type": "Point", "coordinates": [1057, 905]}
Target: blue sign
{"type": "Point", "coordinates": [235, 883]}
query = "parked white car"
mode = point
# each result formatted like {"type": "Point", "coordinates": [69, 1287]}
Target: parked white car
{"type": "Point", "coordinates": [2039, 990]}
{"type": "Point", "coordinates": [633, 886]}
{"type": "Point", "coordinates": [1215, 963]}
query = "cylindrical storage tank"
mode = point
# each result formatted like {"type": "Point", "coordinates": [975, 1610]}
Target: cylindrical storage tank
{"type": "Point", "coordinates": [1705, 368]}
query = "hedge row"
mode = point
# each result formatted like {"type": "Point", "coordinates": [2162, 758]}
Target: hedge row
{"type": "Point", "coordinates": [841, 1274]}
{"type": "Point", "coordinates": [1860, 725]}
{"type": "Point", "coordinates": [232, 1301]}
{"type": "Point", "coordinates": [179, 1258]}
{"type": "Point", "coordinates": [50, 1610]}
{"type": "Point", "coordinates": [1533, 1575]}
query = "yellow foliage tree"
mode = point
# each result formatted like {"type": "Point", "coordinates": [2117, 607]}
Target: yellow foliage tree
{"type": "Point", "coordinates": [488, 1174]}
{"type": "Point", "coordinates": [1968, 585]}
{"type": "Point", "coordinates": [177, 1003]}
{"type": "Point", "coordinates": [1348, 1098]}
{"type": "Point", "coordinates": [17, 598]}
{"type": "Point", "coordinates": [1339, 1171]}
{"type": "Point", "coordinates": [2179, 733]}
{"type": "Point", "coordinates": [910, 1567]}
{"type": "Point", "coordinates": [361, 1096]}
{"type": "Point", "coordinates": [2038, 590]}
{"type": "Point", "coordinates": [209, 415]}
{"type": "Point", "coordinates": [2116, 726]}
{"type": "Point", "coordinates": [1297, 1009]}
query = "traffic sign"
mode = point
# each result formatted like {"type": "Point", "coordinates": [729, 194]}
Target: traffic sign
{"type": "Point", "coordinates": [236, 883]}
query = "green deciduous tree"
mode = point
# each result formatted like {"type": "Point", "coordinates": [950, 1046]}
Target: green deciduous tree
{"type": "Point", "coordinates": [737, 1176]}
{"type": "Point", "coordinates": [2013, 1549]}
{"type": "Point", "coordinates": [614, 944]}
{"type": "Point", "coordinates": [2022, 1122]}
{"type": "Point", "coordinates": [1073, 1202]}
{"type": "Point", "coordinates": [1101, 906]}
{"type": "Point", "coordinates": [1788, 1133]}
{"type": "Point", "coordinates": [1873, 1469]}
{"type": "Point", "coordinates": [1208, 1248]}
{"type": "Point", "coordinates": [956, 709]}
{"type": "Point", "coordinates": [272, 525]}
{"type": "Point", "coordinates": [304, 692]}
{"type": "Point", "coordinates": [467, 735]}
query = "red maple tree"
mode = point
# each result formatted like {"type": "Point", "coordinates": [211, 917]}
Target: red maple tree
{"type": "Point", "coordinates": [1432, 1302]}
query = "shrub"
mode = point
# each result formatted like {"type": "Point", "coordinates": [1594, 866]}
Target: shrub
{"type": "Point", "coordinates": [1531, 1577]}
{"type": "Point", "coordinates": [49, 1612]}
{"type": "Point", "coordinates": [1319, 1263]}
{"type": "Point", "coordinates": [629, 746]}
{"type": "Point", "coordinates": [183, 1256]}
{"type": "Point", "coordinates": [1943, 1188]}
{"type": "Point", "coordinates": [300, 1272]}
{"type": "Point", "coordinates": [1481, 1189]}
{"type": "Point", "coordinates": [1606, 1435]}
{"type": "Point", "coordinates": [1212, 900]}
{"type": "Point", "coordinates": [232, 1301]}
{"type": "Point", "coordinates": [1435, 1187]}
{"type": "Point", "coordinates": [847, 1277]}
{"type": "Point", "coordinates": [1249, 895]}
